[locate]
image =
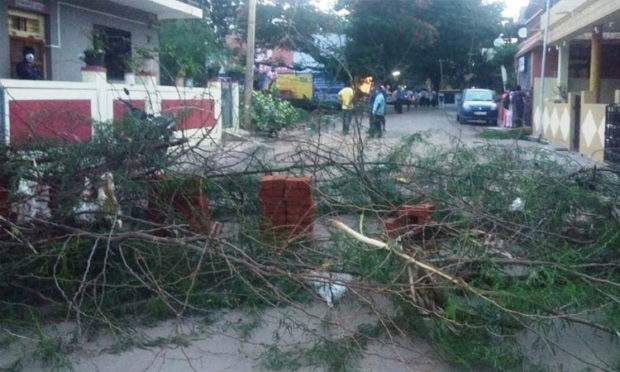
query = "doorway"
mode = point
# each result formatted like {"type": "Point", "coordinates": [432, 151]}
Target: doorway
{"type": "Point", "coordinates": [26, 30]}
{"type": "Point", "coordinates": [117, 51]}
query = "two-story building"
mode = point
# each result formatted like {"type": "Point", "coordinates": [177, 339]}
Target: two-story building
{"type": "Point", "coordinates": [582, 73]}
{"type": "Point", "coordinates": [72, 97]}
{"type": "Point", "coordinates": [60, 30]}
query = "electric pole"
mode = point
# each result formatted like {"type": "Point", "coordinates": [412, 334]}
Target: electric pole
{"type": "Point", "coordinates": [249, 64]}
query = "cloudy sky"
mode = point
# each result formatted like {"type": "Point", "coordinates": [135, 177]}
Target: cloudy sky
{"type": "Point", "coordinates": [513, 7]}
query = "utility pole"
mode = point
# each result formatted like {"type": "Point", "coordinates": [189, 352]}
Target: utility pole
{"type": "Point", "coordinates": [440, 74]}
{"type": "Point", "coordinates": [249, 64]}
{"type": "Point", "coordinates": [541, 100]}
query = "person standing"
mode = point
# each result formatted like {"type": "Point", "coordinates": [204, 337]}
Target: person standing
{"type": "Point", "coordinates": [27, 69]}
{"type": "Point", "coordinates": [507, 109]}
{"type": "Point", "coordinates": [345, 96]}
{"type": "Point", "coordinates": [399, 96]}
{"type": "Point", "coordinates": [408, 98]}
{"type": "Point", "coordinates": [378, 114]}
{"type": "Point", "coordinates": [518, 106]}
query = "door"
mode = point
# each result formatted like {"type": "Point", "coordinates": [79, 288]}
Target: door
{"type": "Point", "coordinates": [26, 30]}
{"type": "Point", "coordinates": [227, 105]}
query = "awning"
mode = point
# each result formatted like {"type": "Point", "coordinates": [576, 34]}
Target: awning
{"type": "Point", "coordinates": [164, 9]}
{"type": "Point", "coordinates": [530, 43]}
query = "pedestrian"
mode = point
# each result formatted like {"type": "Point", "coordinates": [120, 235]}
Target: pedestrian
{"type": "Point", "coordinates": [518, 105]}
{"type": "Point", "coordinates": [263, 79]}
{"type": "Point", "coordinates": [507, 117]}
{"type": "Point", "coordinates": [272, 76]}
{"type": "Point", "coordinates": [399, 96]}
{"type": "Point", "coordinates": [408, 98]}
{"type": "Point", "coordinates": [378, 114]}
{"type": "Point", "coordinates": [345, 96]}
{"type": "Point", "coordinates": [27, 69]}
{"type": "Point", "coordinates": [370, 101]}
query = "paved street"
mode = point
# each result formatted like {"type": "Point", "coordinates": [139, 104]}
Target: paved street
{"type": "Point", "coordinates": [441, 123]}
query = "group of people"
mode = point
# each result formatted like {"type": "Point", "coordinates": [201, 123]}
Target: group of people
{"type": "Point", "coordinates": [514, 107]}
{"type": "Point", "coordinates": [376, 104]}
{"type": "Point", "coordinates": [266, 78]}
{"type": "Point", "coordinates": [377, 101]}
{"type": "Point", "coordinates": [404, 96]}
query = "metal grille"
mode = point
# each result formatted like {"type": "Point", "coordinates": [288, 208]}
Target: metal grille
{"type": "Point", "coordinates": [612, 134]}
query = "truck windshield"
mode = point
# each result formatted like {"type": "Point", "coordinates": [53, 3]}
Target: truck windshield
{"type": "Point", "coordinates": [479, 95]}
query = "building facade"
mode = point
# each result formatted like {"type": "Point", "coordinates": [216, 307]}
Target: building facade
{"type": "Point", "coordinates": [60, 30]}
{"type": "Point", "coordinates": [73, 99]}
{"type": "Point", "coordinates": [582, 73]}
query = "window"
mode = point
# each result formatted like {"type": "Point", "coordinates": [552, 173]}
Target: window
{"type": "Point", "coordinates": [26, 30]}
{"type": "Point", "coordinates": [479, 95]}
{"type": "Point", "coordinates": [117, 51]}
{"type": "Point", "coordinates": [23, 24]}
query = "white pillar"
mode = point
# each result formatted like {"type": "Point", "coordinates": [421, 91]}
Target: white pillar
{"type": "Point", "coordinates": [153, 100]}
{"type": "Point", "coordinates": [235, 103]}
{"type": "Point", "coordinates": [98, 76]}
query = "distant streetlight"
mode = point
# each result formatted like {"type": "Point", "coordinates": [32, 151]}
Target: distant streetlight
{"type": "Point", "coordinates": [396, 73]}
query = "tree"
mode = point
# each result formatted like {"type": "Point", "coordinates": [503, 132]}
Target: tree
{"type": "Point", "coordinates": [412, 36]}
{"type": "Point", "coordinates": [385, 35]}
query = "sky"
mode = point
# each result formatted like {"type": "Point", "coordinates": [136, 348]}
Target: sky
{"type": "Point", "coordinates": [512, 6]}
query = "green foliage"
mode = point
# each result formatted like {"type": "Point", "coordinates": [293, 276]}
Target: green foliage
{"type": "Point", "coordinates": [517, 134]}
{"type": "Point", "coordinates": [271, 114]}
{"type": "Point", "coordinates": [566, 222]}
{"type": "Point", "coordinates": [412, 36]}
{"type": "Point", "coordinates": [332, 355]}
{"type": "Point", "coordinates": [51, 351]}
{"type": "Point", "coordinates": [186, 46]}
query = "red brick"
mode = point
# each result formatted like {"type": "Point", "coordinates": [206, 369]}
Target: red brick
{"type": "Point", "coordinates": [299, 183]}
{"type": "Point", "coordinates": [416, 213]}
{"type": "Point", "coordinates": [299, 197]}
{"type": "Point", "coordinates": [298, 194]}
{"type": "Point", "coordinates": [271, 200]}
{"type": "Point", "coordinates": [273, 185]}
{"type": "Point", "coordinates": [300, 210]}
{"type": "Point", "coordinates": [276, 220]}
{"type": "Point", "coordinates": [271, 193]}
{"type": "Point", "coordinates": [392, 224]}
{"type": "Point", "coordinates": [268, 212]}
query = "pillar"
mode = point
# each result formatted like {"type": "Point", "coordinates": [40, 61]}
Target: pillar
{"type": "Point", "coordinates": [149, 82]}
{"type": "Point", "coordinates": [595, 62]}
{"type": "Point", "coordinates": [563, 55]}
{"type": "Point", "coordinates": [98, 76]}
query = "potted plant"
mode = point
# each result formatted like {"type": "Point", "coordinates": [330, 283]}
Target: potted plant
{"type": "Point", "coordinates": [191, 69]}
{"type": "Point", "coordinates": [147, 60]}
{"type": "Point", "coordinates": [180, 78]}
{"type": "Point", "coordinates": [132, 65]}
{"type": "Point", "coordinates": [95, 54]}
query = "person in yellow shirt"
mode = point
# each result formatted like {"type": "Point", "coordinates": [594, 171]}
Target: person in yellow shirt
{"type": "Point", "coordinates": [345, 96]}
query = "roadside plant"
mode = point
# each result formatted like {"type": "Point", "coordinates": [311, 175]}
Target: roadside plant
{"type": "Point", "coordinates": [271, 114]}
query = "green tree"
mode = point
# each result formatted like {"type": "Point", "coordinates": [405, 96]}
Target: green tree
{"type": "Point", "coordinates": [385, 35]}
{"type": "Point", "coordinates": [412, 36]}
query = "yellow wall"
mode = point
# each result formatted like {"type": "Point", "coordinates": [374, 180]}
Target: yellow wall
{"type": "Point", "coordinates": [295, 86]}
